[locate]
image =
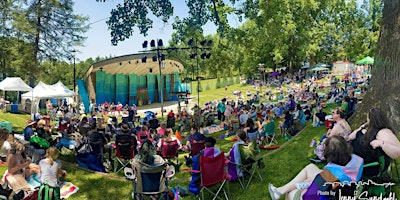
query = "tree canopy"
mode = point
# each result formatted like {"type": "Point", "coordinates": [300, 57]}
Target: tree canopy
{"type": "Point", "coordinates": [279, 33]}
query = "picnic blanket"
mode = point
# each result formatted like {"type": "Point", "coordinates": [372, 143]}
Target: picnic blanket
{"type": "Point", "coordinates": [66, 188]}
{"type": "Point", "coordinates": [212, 129]}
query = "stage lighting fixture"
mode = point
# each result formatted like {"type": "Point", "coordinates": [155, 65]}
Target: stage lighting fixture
{"type": "Point", "coordinates": [144, 45]}
{"type": "Point", "coordinates": [160, 43]}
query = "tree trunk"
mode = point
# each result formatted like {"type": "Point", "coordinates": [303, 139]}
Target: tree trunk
{"type": "Point", "coordinates": [384, 90]}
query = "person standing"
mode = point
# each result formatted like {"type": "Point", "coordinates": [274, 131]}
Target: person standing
{"type": "Point", "coordinates": [228, 111]}
{"type": "Point", "coordinates": [221, 110]}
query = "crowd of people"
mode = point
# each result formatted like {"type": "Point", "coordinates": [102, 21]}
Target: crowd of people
{"type": "Point", "coordinates": [93, 134]}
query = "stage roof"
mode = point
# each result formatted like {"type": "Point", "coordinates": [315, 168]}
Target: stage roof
{"type": "Point", "coordinates": [132, 64]}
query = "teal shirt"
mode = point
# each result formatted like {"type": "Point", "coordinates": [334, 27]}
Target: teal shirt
{"type": "Point", "coordinates": [221, 107]}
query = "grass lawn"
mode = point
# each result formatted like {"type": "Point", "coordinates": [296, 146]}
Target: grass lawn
{"type": "Point", "coordinates": [281, 164]}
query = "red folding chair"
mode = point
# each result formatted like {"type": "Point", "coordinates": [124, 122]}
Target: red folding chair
{"type": "Point", "coordinates": [213, 173]}
{"type": "Point", "coordinates": [141, 135]}
{"type": "Point", "coordinates": [124, 153]}
{"type": "Point", "coordinates": [196, 146]}
{"type": "Point", "coordinates": [169, 151]}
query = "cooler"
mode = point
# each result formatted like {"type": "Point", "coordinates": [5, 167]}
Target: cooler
{"type": "Point", "coordinates": [6, 125]}
{"type": "Point", "coordinates": [329, 122]}
{"type": "Point", "coordinates": [14, 108]}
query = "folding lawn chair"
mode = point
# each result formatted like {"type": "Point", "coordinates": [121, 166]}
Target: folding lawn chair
{"type": "Point", "coordinates": [149, 180]}
{"type": "Point", "coordinates": [213, 173]}
{"type": "Point", "coordinates": [384, 175]}
{"type": "Point", "coordinates": [250, 164]}
{"type": "Point", "coordinates": [196, 146]}
{"type": "Point", "coordinates": [250, 170]}
{"type": "Point", "coordinates": [288, 130]}
{"type": "Point", "coordinates": [124, 153]}
{"type": "Point", "coordinates": [141, 135]}
{"type": "Point", "coordinates": [269, 132]}
{"type": "Point", "coordinates": [169, 150]}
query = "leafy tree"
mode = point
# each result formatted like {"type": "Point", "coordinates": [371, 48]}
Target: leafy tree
{"type": "Point", "coordinates": [385, 71]}
{"type": "Point", "coordinates": [6, 32]}
{"type": "Point", "coordinates": [135, 13]}
{"type": "Point", "coordinates": [52, 28]}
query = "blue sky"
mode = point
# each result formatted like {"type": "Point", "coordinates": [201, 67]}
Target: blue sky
{"type": "Point", "coordinates": [98, 42]}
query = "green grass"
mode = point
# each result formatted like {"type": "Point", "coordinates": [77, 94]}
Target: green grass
{"type": "Point", "coordinates": [281, 164]}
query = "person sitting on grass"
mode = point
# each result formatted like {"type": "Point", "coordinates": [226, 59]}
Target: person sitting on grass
{"type": "Point", "coordinates": [50, 169]}
{"type": "Point", "coordinates": [5, 146]}
{"type": "Point", "coordinates": [310, 183]}
{"type": "Point", "coordinates": [19, 168]}
{"type": "Point", "coordinates": [68, 139]}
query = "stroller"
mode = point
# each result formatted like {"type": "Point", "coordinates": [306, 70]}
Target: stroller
{"type": "Point", "coordinates": [149, 115]}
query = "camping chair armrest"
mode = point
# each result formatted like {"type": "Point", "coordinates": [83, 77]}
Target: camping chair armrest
{"type": "Point", "coordinates": [371, 164]}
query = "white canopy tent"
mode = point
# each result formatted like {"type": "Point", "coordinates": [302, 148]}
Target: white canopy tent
{"type": "Point", "coordinates": [14, 84]}
{"type": "Point", "coordinates": [44, 91]}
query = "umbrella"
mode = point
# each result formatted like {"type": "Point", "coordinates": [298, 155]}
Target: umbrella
{"type": "Point", "coordinates": [365, 61]}
{"type": "Point", "coordinates": [319, 69]}
{"type": "Point", "coordinates": [274, 74]}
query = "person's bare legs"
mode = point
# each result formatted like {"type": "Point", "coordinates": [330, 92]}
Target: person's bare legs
{"type": "Point", "coordinates": [308, 173]}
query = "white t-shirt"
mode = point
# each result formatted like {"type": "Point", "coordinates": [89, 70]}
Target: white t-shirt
{"type": "Point", "coordinates": [4, 149]}
{"type": "Point", "coordinates": [49, 172]}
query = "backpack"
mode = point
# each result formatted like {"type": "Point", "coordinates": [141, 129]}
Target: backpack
{"type": "Point", "coordinates": [39, 143]}
{"type": "Point", "coordinates": [48, 193]}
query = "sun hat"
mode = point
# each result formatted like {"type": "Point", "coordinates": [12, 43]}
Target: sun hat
{"type": "Point", "coordinates": [125, 128]}
{"type": "Point", "coordinates": [30, 122]}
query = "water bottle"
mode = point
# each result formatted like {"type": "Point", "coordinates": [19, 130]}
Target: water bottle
{"type": "Point", "coordinates": [313, 143]}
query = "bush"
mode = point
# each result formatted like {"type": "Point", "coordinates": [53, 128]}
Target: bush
{"type": "Point", "coordinates": [208, 87]}
{"type": "Point", "coordinates": [231, 82]}
{"type": "Point", "coordinates": [218, 84]}
{"type": "Point", "coordinates": [224, 82]}
{"type": "Point", "coordinates": [237, 81]}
